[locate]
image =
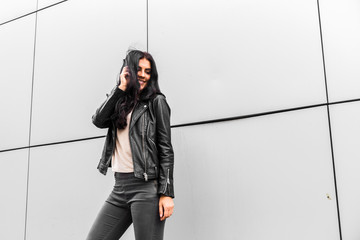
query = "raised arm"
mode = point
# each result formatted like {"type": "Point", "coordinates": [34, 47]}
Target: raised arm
{"type": "Point", "coordinates": [101, 118]}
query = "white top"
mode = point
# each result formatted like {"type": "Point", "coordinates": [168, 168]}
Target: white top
{"type": "Point", "coordinates": [122, 157]}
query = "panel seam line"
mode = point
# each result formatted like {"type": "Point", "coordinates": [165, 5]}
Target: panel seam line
{"type": "Point", "coordinates": [30, 125]}
{"type": "Point", "coordinates": [147, 25]}
{"type": "Point", "coordinates": [194, 123]}
{"type": "Point", "coordinates": [329, 120]}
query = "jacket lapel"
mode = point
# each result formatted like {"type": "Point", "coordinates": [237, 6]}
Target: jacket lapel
{"type": "Point", "coordinates": [140, 108]}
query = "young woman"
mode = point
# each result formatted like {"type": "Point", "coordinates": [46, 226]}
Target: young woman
{"type": "Point", "coordinates": [139, 151]}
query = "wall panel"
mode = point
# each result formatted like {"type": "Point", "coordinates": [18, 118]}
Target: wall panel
{"type": "Point", "coordinates": [346, 132]}
{"type": "Point", "coordinates": [258, 178]}
{"type": "Point", "coordinates": [13, 175]}
{"type": "Point", "coordinates": [11, 9]}
{"type": "Point", "coordinates": [341, 32]}
{"type": "Point", "coordinates": [16, 62]}
{"type": "Point", "coordinates": [80, 47]}
{"type": "Point", "coordinates": [66, 190]}
{"type": "Point", "coordinates": [222, 59]}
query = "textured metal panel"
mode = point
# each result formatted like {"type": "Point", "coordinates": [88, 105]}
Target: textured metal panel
{"type": "Point", "coordinates": [227, 58]}
{"type": "Point", "coordinates": [261, 178]}
{"type": "Point", "coordinates": [13, 174]}
{"type": "Point", "coordinates": [80, 47]}
{"type": "Point", "coordinates": [11, 9]}
{"type": "Point", "coordinates": [346, 132]}
{"type": "Point", "coordinates": [341, 33]}
{"type": "Point", "coordinates": [16, 61]}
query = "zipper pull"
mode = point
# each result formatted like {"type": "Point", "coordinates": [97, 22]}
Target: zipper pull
{"type": "Point", "coordinates": [168, 176]}
{"type": "Point", "coordinates": [145, 176]}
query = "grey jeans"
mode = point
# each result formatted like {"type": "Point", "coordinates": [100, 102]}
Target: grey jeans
{"type": "Point", "coordinates": [132, 201]}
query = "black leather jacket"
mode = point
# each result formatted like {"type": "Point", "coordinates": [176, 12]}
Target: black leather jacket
{"type": "Point", "coordinates": [150, 139]}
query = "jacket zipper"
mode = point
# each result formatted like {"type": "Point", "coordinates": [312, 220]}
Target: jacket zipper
{"type": "Point", "coordinates": [143, 147]}
{"type": "Point", "coordinates": [167, 179]}
{"type": "Point", "coordinates": [130, 140]}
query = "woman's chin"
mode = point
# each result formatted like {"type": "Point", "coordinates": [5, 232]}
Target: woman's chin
{"type": "Point", "coordinates": [142, 86]}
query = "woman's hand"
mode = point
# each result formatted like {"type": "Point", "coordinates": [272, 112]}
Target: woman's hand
{"type": "Point", "coordinates": [124, 78]}
{"type": "Point", "coordinates": [166, 207]}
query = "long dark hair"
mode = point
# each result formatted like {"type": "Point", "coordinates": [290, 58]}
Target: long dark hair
{"type": "Point", "coordinates": [125, 105]}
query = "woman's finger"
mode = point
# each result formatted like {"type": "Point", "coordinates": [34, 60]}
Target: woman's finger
{"type": "Point", "coordinates": [161, 210]}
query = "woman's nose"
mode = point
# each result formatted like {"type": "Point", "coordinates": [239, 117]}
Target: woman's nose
{"type": "Point", "coordinates": [141, 73]}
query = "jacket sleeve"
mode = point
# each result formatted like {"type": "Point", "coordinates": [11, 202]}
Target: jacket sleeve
{"type": "Point", "coordinates": [164, 146]}
{"type": "Point", "coordinates": [101, 118]}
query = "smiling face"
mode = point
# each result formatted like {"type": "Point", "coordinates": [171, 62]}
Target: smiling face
{"type": "Point", "coordinates": [144, 72]}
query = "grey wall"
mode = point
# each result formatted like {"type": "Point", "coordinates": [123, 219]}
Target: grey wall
{"type": "Point", "coordinates": [265, 105]}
